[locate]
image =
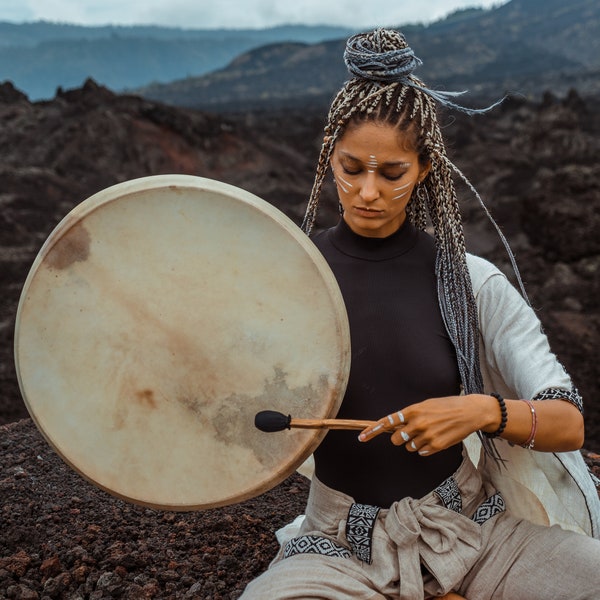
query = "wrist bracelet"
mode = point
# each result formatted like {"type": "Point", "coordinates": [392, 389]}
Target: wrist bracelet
{"type": "Point", "coordinates": [503, 417]}
{"type": "Point", "coordinates": [531, 439]}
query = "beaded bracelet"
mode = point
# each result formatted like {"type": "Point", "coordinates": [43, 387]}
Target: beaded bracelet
{"type": "Point", "coordinates": [503, 417]}
{"type": "Point", "coordinates": [531, 439]}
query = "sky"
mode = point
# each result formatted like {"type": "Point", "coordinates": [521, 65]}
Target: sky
{"type": "Point", "coordinates": [235, 14]}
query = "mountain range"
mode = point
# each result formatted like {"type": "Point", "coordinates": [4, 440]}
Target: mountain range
{"type": "Point", "coordinates": [40, 57]}
{"type": "Point", "coordinates": [522, 47]}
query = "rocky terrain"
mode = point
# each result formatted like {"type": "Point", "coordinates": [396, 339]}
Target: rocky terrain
{"type": "Point", "coordinates": [535, 164]}
{"type": "Point", "coordinates": [63, 538]}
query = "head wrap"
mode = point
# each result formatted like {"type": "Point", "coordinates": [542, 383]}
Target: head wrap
{"type": "Point", "coordinates": [387, 59]}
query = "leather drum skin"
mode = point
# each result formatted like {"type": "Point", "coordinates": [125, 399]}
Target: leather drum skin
{"type": "Point", "coordinates": [158, 318]}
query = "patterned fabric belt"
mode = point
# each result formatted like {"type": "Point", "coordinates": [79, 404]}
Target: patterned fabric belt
{"type": "Point", "coordinates": [359, 530]}
{"type": "Point", "coordinates": [415, 527]}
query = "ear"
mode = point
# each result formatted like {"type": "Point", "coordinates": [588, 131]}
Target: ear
{"type": "Point", "coordinates": [424, 171]}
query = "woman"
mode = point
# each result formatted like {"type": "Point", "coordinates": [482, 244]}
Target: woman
{"type": "Point", "coordinates": [482, 422]}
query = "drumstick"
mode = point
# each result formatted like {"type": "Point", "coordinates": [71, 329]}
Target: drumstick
{"type": "Point", "coordinates": [270, 420]}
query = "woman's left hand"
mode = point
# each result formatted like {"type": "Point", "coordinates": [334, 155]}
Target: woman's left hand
{"type": "Point", "coordinates": [435, 424]}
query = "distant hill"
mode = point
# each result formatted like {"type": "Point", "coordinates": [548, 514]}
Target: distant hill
{"type": "Point", "coordinates": [524, 47]}
{"type": "Point", "coordinates": [40, 57]}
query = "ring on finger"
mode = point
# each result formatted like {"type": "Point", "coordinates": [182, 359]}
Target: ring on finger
{"type": "Point", "coordinates": [392, 419]}
{"type": "Point", "coordinates": [413, 445]}
{"type": "Point", "coordinates": [405, 436]}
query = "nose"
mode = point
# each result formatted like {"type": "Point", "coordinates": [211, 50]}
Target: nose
{"type": "Point", "coordinates": [369, 191]}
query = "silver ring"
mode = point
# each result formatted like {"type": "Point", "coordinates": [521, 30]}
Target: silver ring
{"type": "Point", "coordinates": [405, 436]}
{"type": "Point", "coordinates": [412, 445]}
{"type": "Point", "coordinates": [401, 417]}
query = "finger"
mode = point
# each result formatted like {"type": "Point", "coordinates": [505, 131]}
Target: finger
{"type": "Point", "coordinates": [400, 437]}
{"type": "Point", "coordinates": [415, 446]}
{"type": "Point", "coordinates": [371, 432]}
{"type": "Point", "coordinates": [389, 423]}
{"type": "Point", "coordinates": [422, 449]}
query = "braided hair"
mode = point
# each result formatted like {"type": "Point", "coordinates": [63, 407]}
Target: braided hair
{"type": "Point", "coordinates": [384, 90]}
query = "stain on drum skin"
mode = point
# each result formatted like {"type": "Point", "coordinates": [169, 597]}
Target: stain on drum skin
{"type": "Point", "coordinates": [72, 247]}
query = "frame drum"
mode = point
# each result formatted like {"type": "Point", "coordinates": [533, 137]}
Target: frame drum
{"type": "Point", "coordinates": [158, 318]}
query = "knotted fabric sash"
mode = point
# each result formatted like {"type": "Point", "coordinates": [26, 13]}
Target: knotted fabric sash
{"type": "Point", "coordinates": [423, 533]}
{"type": "Point", "coordinates": [440, 532]}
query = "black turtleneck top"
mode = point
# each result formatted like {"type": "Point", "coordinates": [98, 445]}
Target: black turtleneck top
{"type": "Point", "coordinates": [401, 354]}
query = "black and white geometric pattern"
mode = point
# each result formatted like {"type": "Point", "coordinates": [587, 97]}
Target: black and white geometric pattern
{"type": "Point", "coordinates": [571, 395]}
{"type": "Point", "coordinates": [490, 508]}
{"type": "Point", "coordinates": [449, 494]}
{"type": "Point", "coordinates": [315, 544]}
{"type": "Point", "coordinates": [361, 522]}
{"type": "Point", "coordinates": [359, 530]}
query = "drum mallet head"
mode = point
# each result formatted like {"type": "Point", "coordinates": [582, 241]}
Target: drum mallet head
{"type": "Point", "coordinates": [271, 420]}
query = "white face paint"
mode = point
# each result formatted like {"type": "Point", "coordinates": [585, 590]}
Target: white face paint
{"type": "Point", "coordinates": [372, 163]}
{"type": "Point", "coordinates": [402, 187]}
{"type": "Point", "coordinates": [344, 185]}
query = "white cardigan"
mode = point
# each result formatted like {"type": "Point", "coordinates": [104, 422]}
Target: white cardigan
{"type": "Point", "coordinates": [516, 362]}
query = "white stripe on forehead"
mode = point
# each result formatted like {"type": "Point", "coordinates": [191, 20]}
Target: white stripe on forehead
{"type": "Point", "coordinates": [373, 164]}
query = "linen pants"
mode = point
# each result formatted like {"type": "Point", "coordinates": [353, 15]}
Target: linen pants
{"type": "Point", "coordinates": [458, 538]}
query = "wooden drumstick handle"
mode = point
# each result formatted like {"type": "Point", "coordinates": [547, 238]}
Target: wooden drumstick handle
{"type": "Point", "coordinates": [270, 420]}
{"type": "Point", "coordinates": [330, 424]}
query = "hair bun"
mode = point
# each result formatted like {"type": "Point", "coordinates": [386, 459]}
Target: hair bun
{"type": "Point", "coordinates": [381, 55]}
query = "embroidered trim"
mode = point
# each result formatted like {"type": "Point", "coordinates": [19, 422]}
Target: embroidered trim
{"type": "Point", "coordinates": [571, 396]}
{"type": "Point", "coordinates": [359, 530]}
{"type": "Point", "coordinates": [490, 508]}
{"type": "Point", "coordinates": [361, 522]}
{"type": "Point", "coordinates": [449, 494]}
{"type": "Point", "coordinates": [314, 544]}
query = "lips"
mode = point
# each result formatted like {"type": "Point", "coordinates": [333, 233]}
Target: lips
{"type": "Point", "coordinates": [371, 212]}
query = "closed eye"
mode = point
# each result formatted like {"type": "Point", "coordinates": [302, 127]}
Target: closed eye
{"type": "Point", "coordinates": [394, 177]}
{"type": "Point", "coordinates": [351, 171]}
{"type": "Point", "coordinates": [358, 171]}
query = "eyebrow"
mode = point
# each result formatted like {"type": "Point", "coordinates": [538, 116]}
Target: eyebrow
{"type": "Point", "coordinates": [399, 163]}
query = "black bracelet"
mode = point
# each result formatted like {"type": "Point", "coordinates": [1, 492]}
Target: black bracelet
{"type": "Point", "coordinates": [503, 417]}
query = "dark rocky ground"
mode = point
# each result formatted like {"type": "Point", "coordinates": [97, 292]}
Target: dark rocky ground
{"type": "Point", "coordinates": [63, 538]}
{"type": "Point", "coordinates": [534, 163]}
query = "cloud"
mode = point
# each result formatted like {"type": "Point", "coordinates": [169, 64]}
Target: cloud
{"type": "Point", "coordinates": [265, 13]}
{"type": "Point", "coordinates": [200, 14]}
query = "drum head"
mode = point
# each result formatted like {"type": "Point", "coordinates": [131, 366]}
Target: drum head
{"type": "Point", "coordinates": [158, 318]}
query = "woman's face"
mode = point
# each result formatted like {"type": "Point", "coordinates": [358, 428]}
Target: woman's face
{"type": "Point", "coordinates": [375, 169]}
